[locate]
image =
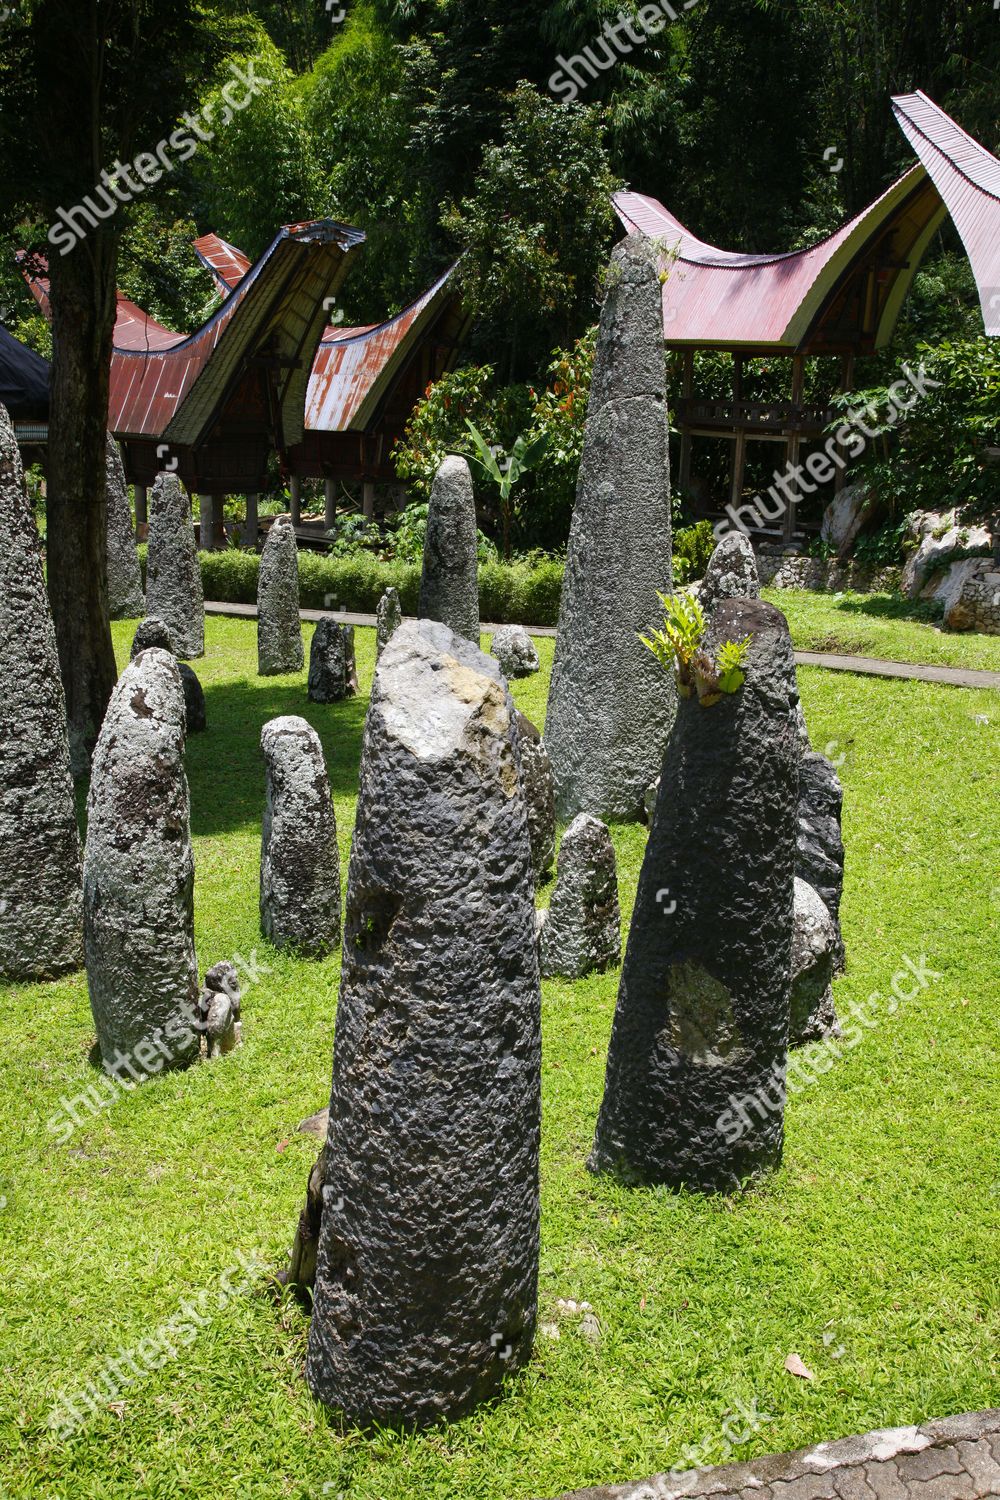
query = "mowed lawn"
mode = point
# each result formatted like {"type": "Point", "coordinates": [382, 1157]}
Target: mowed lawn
{"type": "Point", "coordinates": [874, 1253]}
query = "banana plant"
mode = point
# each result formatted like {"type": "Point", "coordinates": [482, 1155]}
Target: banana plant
{"type": "Point", "coordinates": [505, 470]}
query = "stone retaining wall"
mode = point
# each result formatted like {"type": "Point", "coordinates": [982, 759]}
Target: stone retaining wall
{"type": "Point", "coordinates": [825, 575]}
{"type": "Point", "coordinates": [978, 607]}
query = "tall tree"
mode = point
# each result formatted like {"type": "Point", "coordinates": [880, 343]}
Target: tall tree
{"type": "Point", "coordinates": [84, 85]}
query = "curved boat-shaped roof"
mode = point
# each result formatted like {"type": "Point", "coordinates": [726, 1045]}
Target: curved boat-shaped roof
{"type": "Point", "coordinates": [134, 329]}
{"type": "Point", "coordinates": [842, 295]}
{"type": "Point", "coordinates": [968, 178]}
{"type": "Point", "coordinates": [227, 264]}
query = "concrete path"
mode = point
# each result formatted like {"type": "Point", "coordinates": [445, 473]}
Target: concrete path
{"type": "Point", "coordinates": [954, 1459]}
{"type": "Point", "coordinates": [868, 666]}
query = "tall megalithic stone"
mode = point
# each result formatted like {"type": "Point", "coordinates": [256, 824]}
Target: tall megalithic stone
{"type": "Point", "coordinates": [41, 912]}
{"type": "Point", "coordinates": [388, 618]}
{"type": "Point", "coordinates": [426, 1286]}
{"type": "Point", "coordinates": [610, 705]}
{"type": "Point", "coordinates": [299, 858]}
{"type": "Point", "coordinates": [126, 600]}
{"type": "Point", "coordinates": [449, 583]}
{"type": "Point", "coordinates": [701, 1024]}
{"type": "Point", "coordinates": [138, 874]}
{"type": "Point", "coordinates": [279, 631]}
{"type": "Point", "coordinates": [173, 578]}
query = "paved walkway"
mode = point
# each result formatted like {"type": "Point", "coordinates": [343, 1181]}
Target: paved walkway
{"type": "Point", "coordinates": [954, 1459]}
{"type": "Point", "coordinates": [869, 666]}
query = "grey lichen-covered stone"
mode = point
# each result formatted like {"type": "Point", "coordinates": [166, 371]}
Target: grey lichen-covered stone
{"type": "Point", "coordinates": [449, 583]}
{"type": "Point", "coordinates": [819, 857]}
{"type": "Point", "coordinates": [173, 578]}
{"type": "Point", "coordinates": [731, 573]}
{"type": "Point", "coordinates": [126, 600]}
{"type": "Point", "coordinates": [514, 650]}
{"type": "Point", "coordinates": [426, 1285]}
{"type": "Point", "coordinates": [388, 618]}
{"type": "Point", "coordinates": [152, 632]}
{"type": "Point", "coordinates": [703, 1005]}
{"type": "Point", "coordinates": [332, 671]}
{"type": "Point", "coordinates": [649, 800]}
{"type": "Point", "coordinates": [279, 630]}
{"type": "Point", "coordinates": [582, 932]}
{"type": "Point", "coordinates": [299, 860]}
{"type": "Point", "coordinates": [814, 947]}
{"type": "Point", "coordinates": [138, 872]}
{"type": "Point", "coordinates": [610, 705]}
{"type": "Point", "coordinates": [41, 913]}
{"type": "Point", "coordinates": [539, 793]}
{"type": "Point", "coordinates": [220, 1009]}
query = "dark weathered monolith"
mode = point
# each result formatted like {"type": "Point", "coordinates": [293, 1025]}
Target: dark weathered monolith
{"type": "Point", "coordinates": [126, 600]}
{"type": "Point", "coordinates": [703, 1006]}
{"type": "Point", "coordinates": [41, 913]}
{"type": "Point", "coordinates": [333, 674]}
{"type": "Point", "coordinates": [299, 859]}
{"type": "Point", "coordinates": [279, 631]}
{"type": "Point", "coordinates": [173, 578]}
{"type": "Point", "coordinates": [138, 874]}
{"type": "Point", "coordinates": [388, 618]}
{"type": "Point", "coordinates": [731, 573]}
{"type": "Point", "coordinates": [582, 931]}
{"type": "Point", "coordinates": [819, 855]}
{"type": "Point", "coordinates": [539, 794]}
{"type": "Point", "coordinates": [610, 705]}
{"type": "Point", "coordinates": [153, 632]}
{"type": "Point", "coordinates": [427, 1273]}
{"type": "Point", "coordinates": [449, 583]}
{"type": "Point", "coordinates": [150, 633]}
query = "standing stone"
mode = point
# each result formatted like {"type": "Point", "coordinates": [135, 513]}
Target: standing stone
{"type": "Point", "coordinates": [731, 573]}
{"type": "Point", "coordinates": [299, 859]}
{"type": "Point", "coordinates": [279, 631]}
{"type": "Point", "coordinates": [449, 584]}
{"type": "Point", "coordinates": [514, 650]}
{"type": "Point", "coordinates": [539, 794]}
{"type": "Point", "coordinates": [332, 671]}
{"type": "Point", "coordinates": [388, 618]}
{"type": "Point", "coordinates": [41, 914]}
{"type": "Point", "coordinates": [582, 929]}
{"type": "Point", "coordinates": [173, 577]}
{"type": "Point", "coordinates": [610, 705]}
{"type": "Point", "coordinates": [153, 632]}
{"type": "Point", "coordinates": [219, 1010]}
{"type": "Point", "coordinates": [703, 1006]}
{"type": "Point", "coordinates": [138, 874]}
{"type": "Point", "coordinates": [126, 600]}
{"type": "Point", "coordinates": [426, 1286]}
{"type": "Point", "coordinates": [814, 946]}
{"type": "Point", "coordinates": [819, 857]}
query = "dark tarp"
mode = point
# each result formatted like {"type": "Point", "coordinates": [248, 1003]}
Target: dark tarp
{"type": "Point", "coordinates": [24, 380]}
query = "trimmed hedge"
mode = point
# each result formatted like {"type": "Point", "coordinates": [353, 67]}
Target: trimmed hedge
{"type": "Point", "coordinates": [509, 593]}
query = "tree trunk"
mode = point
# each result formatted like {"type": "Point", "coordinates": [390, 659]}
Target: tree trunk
{"type": "Point", "coordinates": [83, 314]}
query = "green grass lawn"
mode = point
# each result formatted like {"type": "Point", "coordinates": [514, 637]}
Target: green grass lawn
{"type": "Point", "coordinates": [874, 1253]}
{"type": "Point", "coordinates": [884, 625]}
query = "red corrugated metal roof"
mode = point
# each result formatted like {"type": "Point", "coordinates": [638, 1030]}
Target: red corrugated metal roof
{"type": "Point", "coordinates": [134, 329]}
{"type": "Point", "coordinates": [968, 178]}
{"type": "Point", "coordinates": [227, 264]}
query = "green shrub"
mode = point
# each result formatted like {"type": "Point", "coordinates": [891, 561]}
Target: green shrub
{"type": "Point", "coordinates": [517, 593]}
{"type": "Point", "coordinates": [693, 546]}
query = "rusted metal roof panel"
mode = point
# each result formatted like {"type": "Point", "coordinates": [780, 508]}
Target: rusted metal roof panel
{"type": "Point", "coordinates": [227, 264]}
{"type": "Point", "coordinates": [134, 329]}
{"type": "Point", "coordinates": [968, 178]}
{"type": "Point", "coordinates": [730, 299]}
{"type": "Point", "coordinates": [355, 367]}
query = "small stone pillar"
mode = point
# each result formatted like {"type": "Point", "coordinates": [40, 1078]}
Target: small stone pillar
{"type": "Point", "coordinates": [295, 502]}
{"type": "Point", "coordinates": [426, 1284]}
{"type": "Point", "coordinates": [449, 583]}
{"type": "Point", "coordinates": [279, 630]}
{"type": "Point", "coordinates": [581, 933]}
{"type": "Point", "coordinates": [388, 618]}
{"type": "Point", "coordinates": [174, 591]}
{"type": "Point", "coordinates": [333, 674]}
{"type": "Point", "coordinates": [126, 600]}
{"type": "Point", "coordinates": [299, 859]}
{"type": "Point", "coordinates": [694, 1092]}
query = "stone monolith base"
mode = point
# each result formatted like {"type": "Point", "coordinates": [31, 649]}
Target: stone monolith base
{"type": "Point", "coordinates": [539, 794]}
{"type": "Point", "coordinates": [299, 858]}
{"type": "Point", "coordinates": [41, 911]}
{"type": "Point", "coordinates": [819, 857]}
{"type": "Point", "coordinates": [582, 930]}
{"type": "Point", "coordinates": [703, 1006]}
{"type": "Point", "coordinates": [173, 578]}
{"type": "Point", "coordinates": [138, 874]}
{"type": "Point", "coordinates": [333, 674]}
{"type": "Point", "coordinates": [427, 1272]}
{"type": "Point", "coordinates": [449, 583]}
{"type": "Point", "coordinates": [279, 631]}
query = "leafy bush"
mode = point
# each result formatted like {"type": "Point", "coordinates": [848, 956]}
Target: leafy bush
{"type": "Point", "coordinates": [693, 546]}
